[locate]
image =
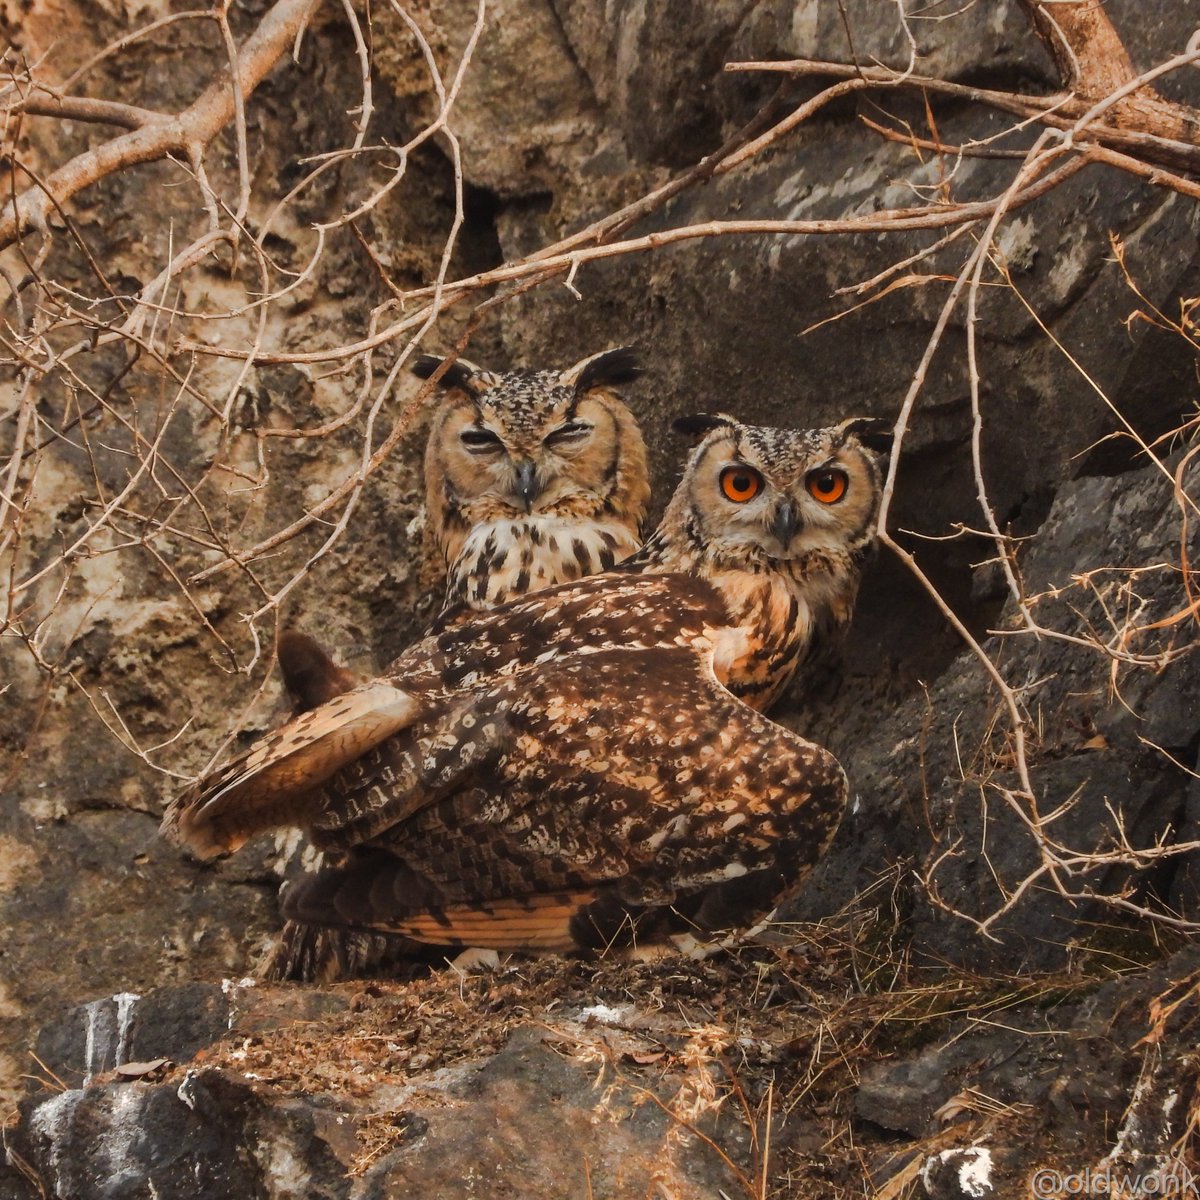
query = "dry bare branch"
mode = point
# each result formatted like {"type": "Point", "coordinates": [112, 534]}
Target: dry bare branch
{"type": "Point", "coordinates": [185, 134]}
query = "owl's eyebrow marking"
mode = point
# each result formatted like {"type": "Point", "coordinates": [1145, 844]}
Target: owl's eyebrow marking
{"type": "Point", "coordinates": [569, 428]}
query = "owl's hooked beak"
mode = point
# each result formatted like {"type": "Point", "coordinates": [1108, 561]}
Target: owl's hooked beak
{"type": "Point", "coordinates": [527, 483]}
{"type": "Point", "coordinates": [785, 523]}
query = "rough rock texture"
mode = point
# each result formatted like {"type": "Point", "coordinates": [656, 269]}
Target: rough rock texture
{"type": "Point", "coordinates": [569, 109]}
{"type": "Point", "coordinates": [1122, 742]}
{"type": "Point", "coordinates": [564, 1079]}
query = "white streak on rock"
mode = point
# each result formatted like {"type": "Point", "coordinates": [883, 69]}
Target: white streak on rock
{"type": "Point", "coordinates": [601, 1013]}
{"type": "Point", "coordinates": [106, 1027]}
{"type": "Point", "coordinates": [184, 1090]}
{"type": "Point", "coordinates": [125, 1003]}
{"type": "Point", "coordinates": [92, 1014]}
{"type": "Point", "coordinates": [974, 1172]}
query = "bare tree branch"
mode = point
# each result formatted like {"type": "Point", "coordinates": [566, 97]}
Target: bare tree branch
{"type": "Point", "coordinates": [1173, 143]}
{"type": "Point", "coordinates": [184, 134]}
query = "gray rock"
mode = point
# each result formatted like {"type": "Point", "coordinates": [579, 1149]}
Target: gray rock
{"type": "Point", "coordinates": [572, 109]}
{"type": "Point", "coordinates": [926, 779]}
{"type": "Point", "coordinates": [527, 1122]}
{"type": "Point", "coordinates": [531, 1125]}
{"type": "Point", "coordinates": [210, 1135]}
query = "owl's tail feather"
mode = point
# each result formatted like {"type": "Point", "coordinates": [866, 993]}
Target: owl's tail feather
{"type": "Point", "coordinates": [277, 781]}
{"type": "Point", "coordinates": [539, 924]}
{"type": "Point", "coordinates": [322, 954]}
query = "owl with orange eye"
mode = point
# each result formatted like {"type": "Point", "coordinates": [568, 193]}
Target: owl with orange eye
{"type": "Point", "coordinates": [588, 765]}
{"type": "Point", "coordinates": [782, 522]}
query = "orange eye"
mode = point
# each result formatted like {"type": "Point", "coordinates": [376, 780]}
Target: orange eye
{"type": "Point", "coordinates": [827, 484]}
{"type": "Point", "coordinates": [740, 484]}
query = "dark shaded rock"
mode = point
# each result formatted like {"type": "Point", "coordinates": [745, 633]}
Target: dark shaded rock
{"type": "Point", "coordinates": [905, 1097]}
{"type": "Point", "coordinates": [1070, 1068]}
{"type": "Point", "coordinates": [929, 781]}
{"type": "Point", "coordinates": [340, 1095]}
{"type": "Point", "coordinates": [659, 70]}
{"type": "Point", "coordinates": [170, 1022]}
{"type": "Point", "coordinates": [531, 1121]}
{"type": "Point", "coordinates": [533, 1125]}
{"type": "Point", "coordinates": [209, 1135]}
{"type": "Point", "coordinates": [16, 1184]}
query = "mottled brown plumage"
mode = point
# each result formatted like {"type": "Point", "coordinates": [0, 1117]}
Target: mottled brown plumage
{"type": "Point", "coordinates": [533, 478]}
{"type": "Point", "coordinates": [587, 764]}
{"type": "Point", "coordinates": [786, 562]}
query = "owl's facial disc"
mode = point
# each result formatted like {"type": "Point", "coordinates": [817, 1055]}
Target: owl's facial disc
{"type": "Point", "coordinates": [530, 445]}
{"type": "Point", "coordinates": [555, 460]}
{"type": "Point", "coordinates": [780, 494]}
{"type": "Point", "coordinates": [756, 514]}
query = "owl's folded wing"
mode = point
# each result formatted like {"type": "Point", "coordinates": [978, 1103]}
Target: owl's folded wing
{"type": "Point", "coordinates": [626, 782]}
{"type": "Point", "coordinates": [277, 781]}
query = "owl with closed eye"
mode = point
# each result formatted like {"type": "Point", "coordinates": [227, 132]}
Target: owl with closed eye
{"type": "Point", "coordinates": [588, 764]}
{"type": "Point", "coordinates": [532, 478]}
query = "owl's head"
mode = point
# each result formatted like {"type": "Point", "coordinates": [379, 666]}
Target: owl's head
{"type": "Point", "coordinates": [546, 442]}
{"type": "Point", "coordinates": [752, 493]}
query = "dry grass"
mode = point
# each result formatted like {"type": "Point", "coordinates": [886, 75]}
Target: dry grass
{"type": "Point", "coordinates": [757, 1053]}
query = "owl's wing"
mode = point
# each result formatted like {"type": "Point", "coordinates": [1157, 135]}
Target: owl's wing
{"type": "Point", "coordinates": [319, 769]}
{"type": "Point", "coordinates": [277, 781]}
{"type": "Point", "coordinates": [627, 783]}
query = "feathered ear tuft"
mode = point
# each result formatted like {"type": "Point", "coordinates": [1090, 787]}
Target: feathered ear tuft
{"type": "Point", "coordinates": [460, 374]}
{"type": "Point", "coordinates": [876, 433]}
{"type": "Point", "coordinates": [609, 368]}
{"type": "Point", "coordinates": [698, 425]}
{"type": "Point", "coordinates": [310, 676]}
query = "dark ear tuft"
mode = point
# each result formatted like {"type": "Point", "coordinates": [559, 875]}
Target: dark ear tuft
{"type": "Point", "coordinates": [876, 433]}
{"type": "Point", "coordinates": [309, 674]}
{"type": "Point", "coordinates": [459, 375]}
{"type": "Point", "coordinates": [699, 424]}
{"type": "Point", "coordinates": [608, 369]}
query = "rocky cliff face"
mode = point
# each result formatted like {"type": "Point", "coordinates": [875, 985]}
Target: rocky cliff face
{"type": "Point", "coordinates": [572, 1079]}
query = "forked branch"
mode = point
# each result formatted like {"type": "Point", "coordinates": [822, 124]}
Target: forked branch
{"type": "Point", "coordinates": [151, 135]}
